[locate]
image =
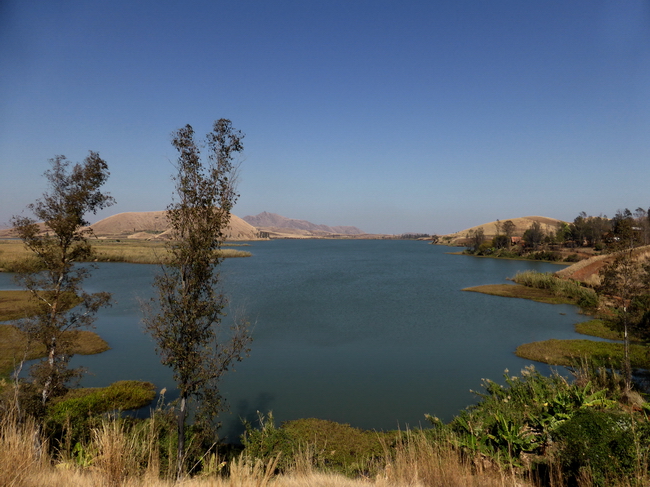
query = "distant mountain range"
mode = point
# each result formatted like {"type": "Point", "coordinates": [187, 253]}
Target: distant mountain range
{"type": "Point", "coordinates": [276, 224]}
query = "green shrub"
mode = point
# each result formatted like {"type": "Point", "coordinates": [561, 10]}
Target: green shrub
{"type": "Point", "coordinates": [546, 255]}
{"type": "Point", "coordinates": [332, 446]}
{"type": "Point", "coordinates": [602, 442]}
{"type": "Point", "coordinates": [82, 409]}
{"type": "Point", "coordinates": [572, 258]}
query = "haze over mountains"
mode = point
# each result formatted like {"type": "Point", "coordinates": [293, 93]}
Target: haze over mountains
{"type": "Point", "coordinates": [274, 223]}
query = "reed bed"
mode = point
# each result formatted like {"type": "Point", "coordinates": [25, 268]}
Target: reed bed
{"type": "Point", "coordinates": [583, 296]}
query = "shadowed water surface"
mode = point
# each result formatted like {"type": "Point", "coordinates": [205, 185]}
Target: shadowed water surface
{"type": "Point", "coordinates": [372, 333]}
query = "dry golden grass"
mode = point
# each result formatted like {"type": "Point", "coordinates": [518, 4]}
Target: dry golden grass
{"type": "Point", "coordinates": [13, 344]}
{"type": "Point", "coordinates": [123, 250]}
{"type": "Point", "coordinates": [13, 347]}
{"type": "Point", "coordinates": [118, 458]}
{"type": "Point", "coordinates": [15, 305]}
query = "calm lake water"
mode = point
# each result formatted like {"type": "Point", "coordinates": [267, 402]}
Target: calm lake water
{"type": "Point", "coordinates": [371, 333]}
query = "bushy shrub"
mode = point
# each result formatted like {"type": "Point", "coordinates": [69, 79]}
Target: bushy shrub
{"type": "Point", "coordinates": [546, 255]}
{"type": "Point", "coordinates": [333, 446]}
{"type": "Point", "coordinates": [572, 258]}
{"type": "Point", "coordinates": [82, 409]}
{"type": "Point", "coordinates": [603, 442]}
{"type": "Point", "coordinates": [522, 415]}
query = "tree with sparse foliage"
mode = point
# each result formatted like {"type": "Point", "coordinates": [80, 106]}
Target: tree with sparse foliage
{"type": "Point", "coordinates": [624, 283]}
{"type": "Point", "coordinates": [52, 274]}
{"type": "Point", "coordinates": [185, 316]}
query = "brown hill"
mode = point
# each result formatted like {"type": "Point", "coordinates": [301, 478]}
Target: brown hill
{"type": "Point", "coordinates": [277, 225]}
{"type": "Point", "coordinates": [489, 229]}
{"type": "Point", "coordinates": [153, 224]}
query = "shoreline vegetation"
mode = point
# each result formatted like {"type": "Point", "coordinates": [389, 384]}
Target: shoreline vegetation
{"type": "Point", "coordinates": [15, 305]}
{"type": "Point", "coordinates": [130, 251]}
{"type": "Point", "coordinates": [546, 288]}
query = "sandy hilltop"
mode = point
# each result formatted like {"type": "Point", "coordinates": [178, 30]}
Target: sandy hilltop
{"type": "Point", "coordinates": [549, 225]}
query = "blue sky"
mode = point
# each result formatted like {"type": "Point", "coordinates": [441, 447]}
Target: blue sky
{"type": "Point", "coordinates": [410, 116]}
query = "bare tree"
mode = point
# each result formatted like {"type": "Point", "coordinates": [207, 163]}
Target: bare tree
{"type": "Point", "coordinates": [185, 317]}
{"type": "Point", "coordinates": [52, 275]}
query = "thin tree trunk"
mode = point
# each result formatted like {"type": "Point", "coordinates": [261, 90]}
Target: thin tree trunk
{"type": "Point", "coordinates": [180, 461]}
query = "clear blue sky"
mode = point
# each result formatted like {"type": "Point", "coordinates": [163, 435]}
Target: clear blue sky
{"type": "Point", "coordinates": [410, 116]}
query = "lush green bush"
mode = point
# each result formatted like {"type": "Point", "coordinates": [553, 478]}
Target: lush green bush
{"type": "Point", "coordinates": [522, 415]}
{"type": "Point", "coordinates": [80, 410]}
{"type": "Point", "coordinates": [606, 443]}
{"type": "Point", "coordinates": [572, 258]}
{"type": "Point", "coordinates": [330, 445]}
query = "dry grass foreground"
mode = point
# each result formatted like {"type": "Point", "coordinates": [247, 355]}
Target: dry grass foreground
{"type": "Point", "coordinates": [115, 458]}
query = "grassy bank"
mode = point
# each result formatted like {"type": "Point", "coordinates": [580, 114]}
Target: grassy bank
{"type": "Point", "coordinates": [567, 352]}
{"type": "Point", "coordinates": [126, 250]}
{"type": "Point", "coordinates": [13, 347]}
{"type": "Point", "coordinates": [520, 291]}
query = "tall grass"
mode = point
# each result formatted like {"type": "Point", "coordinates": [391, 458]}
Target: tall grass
{"type": "Point", "coordinates": [121, 455]}
{"type": "Point", "coordinates": [583, 296]}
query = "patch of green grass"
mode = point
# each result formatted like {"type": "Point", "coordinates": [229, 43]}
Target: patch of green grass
{"type": "Point", "coordinates": [121, 396]}
{"type": "Point", "coordinates": [81, 410]}
{"type": "Point", "coordinates": [519, 291]}
{"type": "Point", "coordinates": [566, 352]}
{"type": "Point", "coordinates": [597, 328]}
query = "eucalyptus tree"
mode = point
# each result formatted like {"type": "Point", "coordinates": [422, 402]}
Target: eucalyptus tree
{"type": "Point", "coordinates": [185, 316]}
{"type": "Point", "coordinates": [58, 240]}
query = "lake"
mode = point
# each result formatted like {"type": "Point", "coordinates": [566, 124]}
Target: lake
{"type": "Point", "coordinates": [374, 333]}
